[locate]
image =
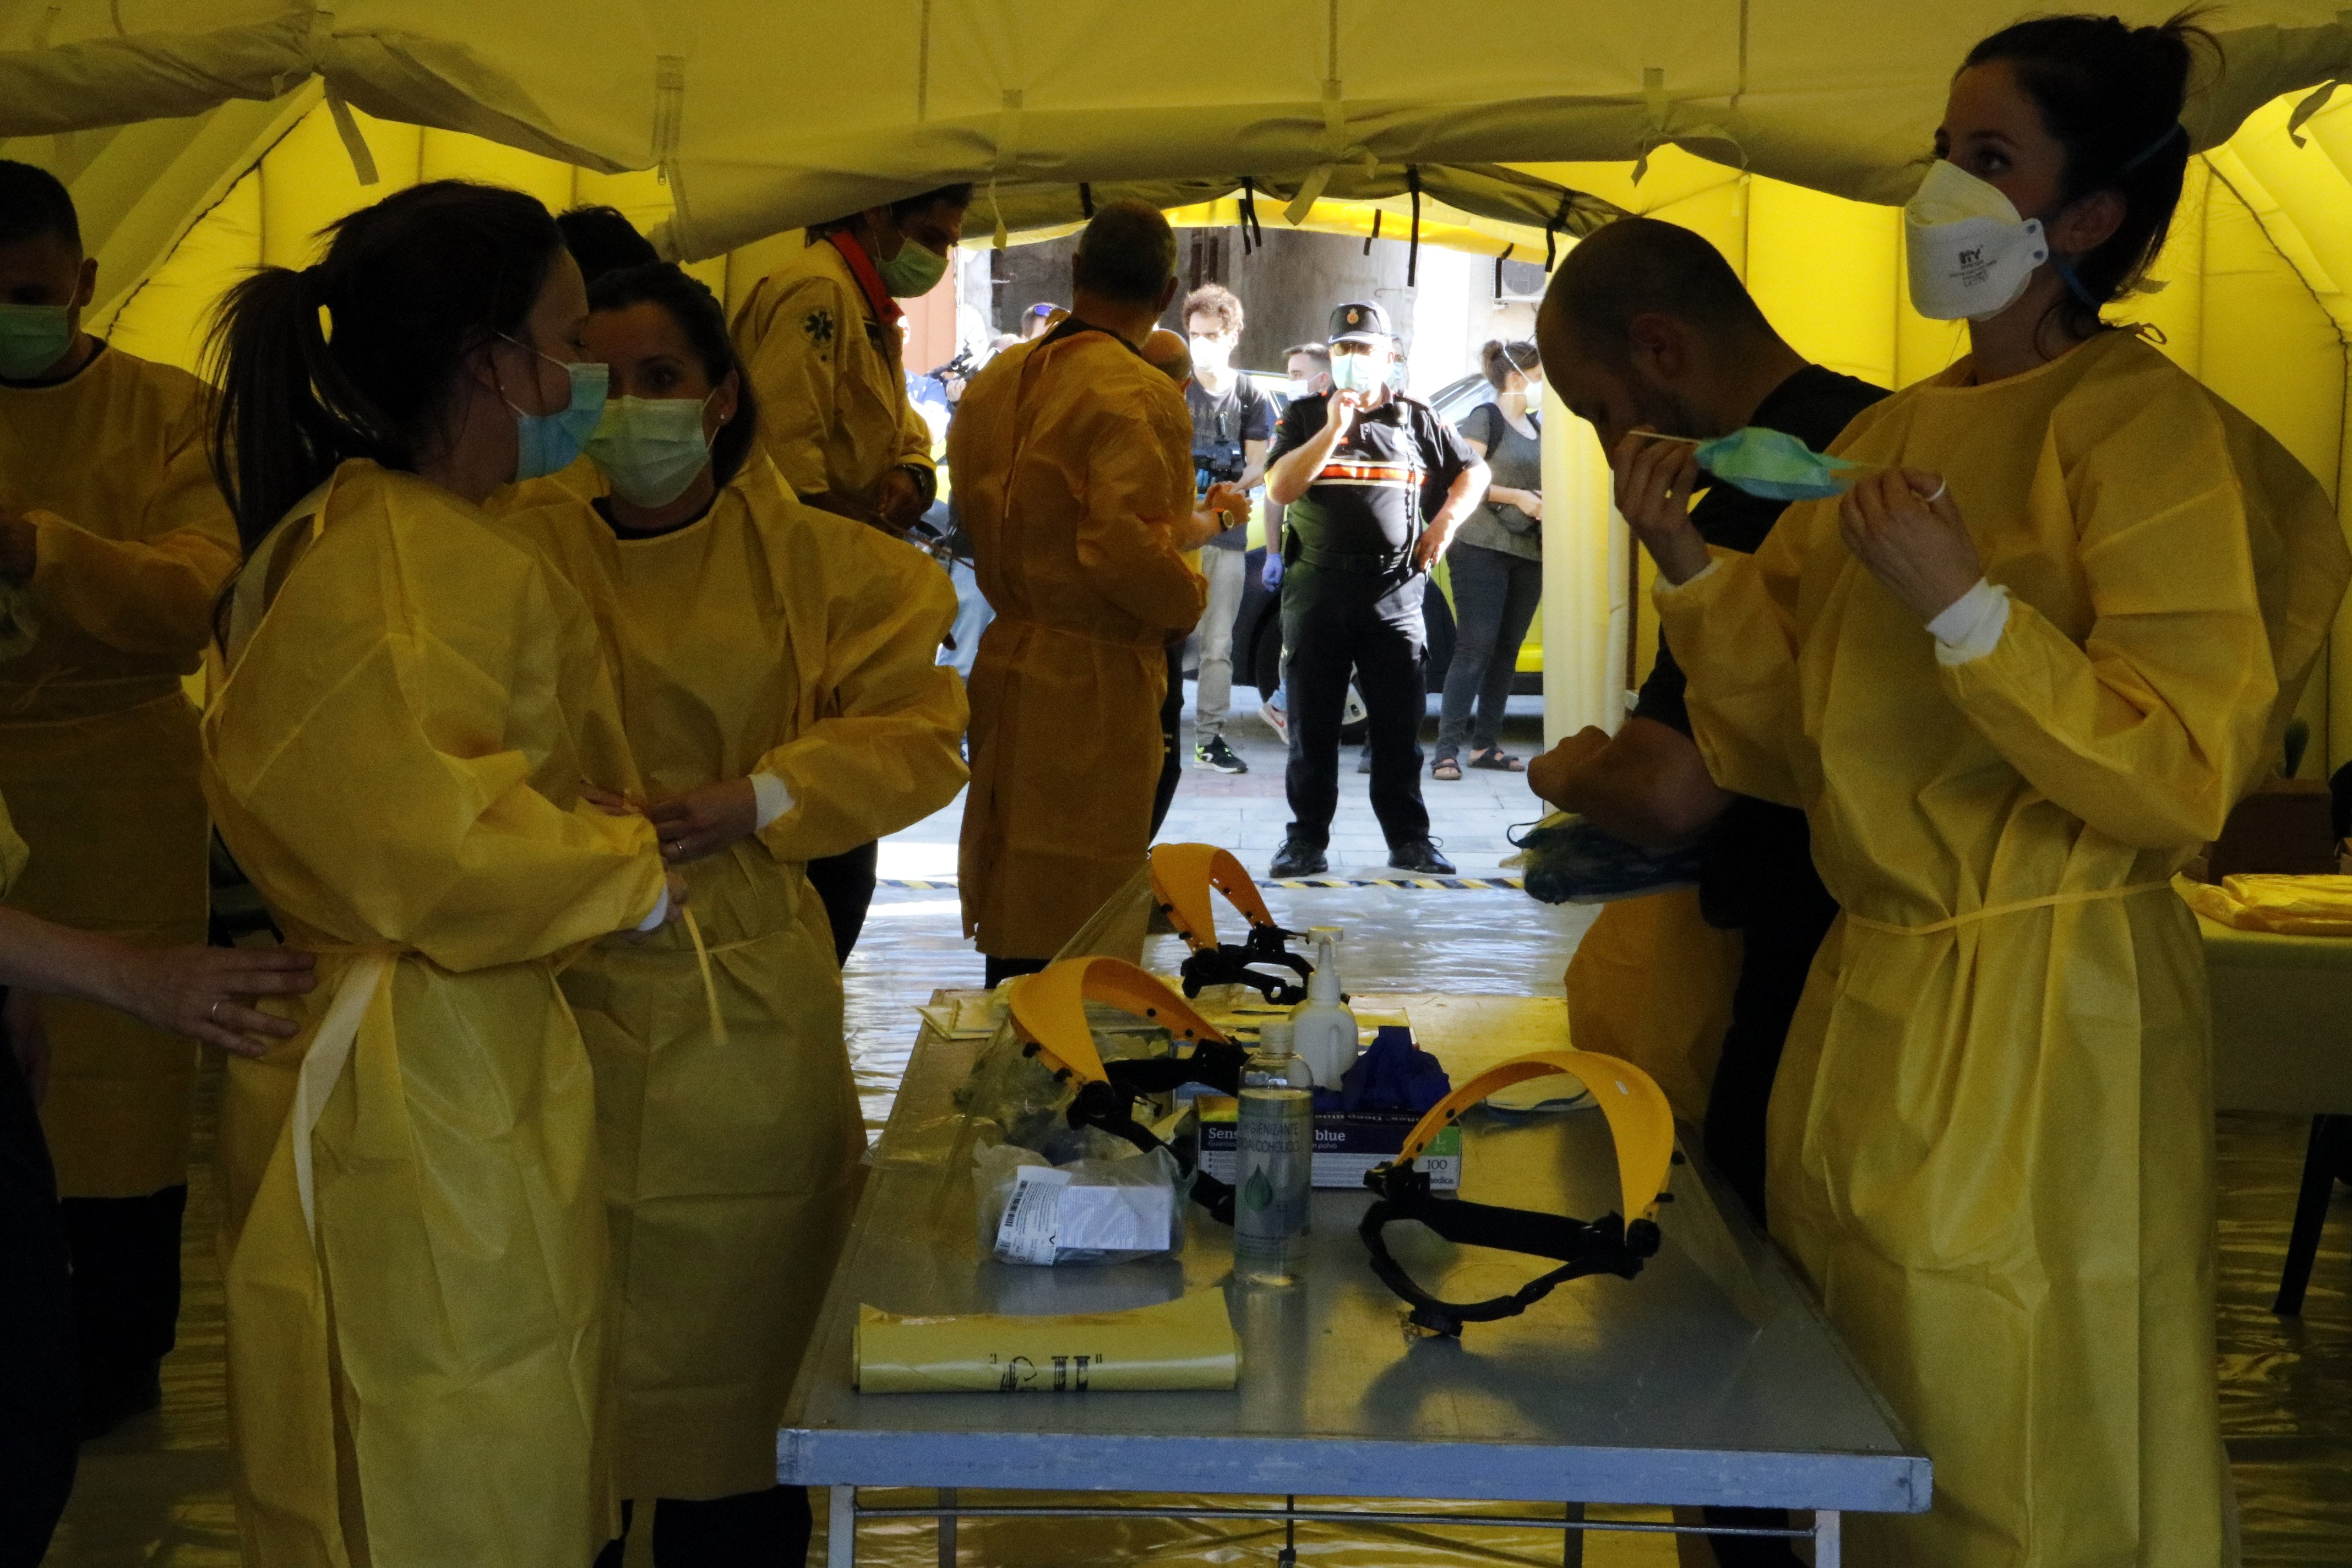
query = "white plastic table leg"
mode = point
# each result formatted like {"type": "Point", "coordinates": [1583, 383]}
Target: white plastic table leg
{"type": "Point", "coordinates": [841, 1529]}
{"type": "Point", "coordinates": [1825, 1538]}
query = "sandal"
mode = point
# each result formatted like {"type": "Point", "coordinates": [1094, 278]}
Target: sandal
{"type": "Point", "coordinates": [1497, 759]}
{"type": "Point", "coordinates": [1445, 768]}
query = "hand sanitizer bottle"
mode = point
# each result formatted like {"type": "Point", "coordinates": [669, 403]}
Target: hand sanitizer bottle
{"type": "Point", "coordinates": [1326, 1029]}
{"type": "Point", "coordinates": [1276, 1165]}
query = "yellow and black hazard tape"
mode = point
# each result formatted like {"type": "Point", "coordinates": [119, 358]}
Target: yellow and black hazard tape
{"type": "Point", "coordinates": [1294, 884]}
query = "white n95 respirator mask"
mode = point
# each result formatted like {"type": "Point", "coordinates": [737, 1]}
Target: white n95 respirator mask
{"type": "Point", "coordinates": [650, 449]}
{"type": "Point", "coordinates": [1971, 255]}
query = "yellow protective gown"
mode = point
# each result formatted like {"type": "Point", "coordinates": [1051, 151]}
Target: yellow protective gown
{"type": "Point", "coordinates": [770, 638]}
{"type": "Point", "coordinates": [395, 757]}
{"type": "Point", "coordinates": [1991, 1136]}
{"type": "Point", "coordinates": [98, 741]}
{"type": "Point", "coordinates": [1651, 982]}
{"type": "Point", "coordinates": [12, 853]}
{"type": "Point", "coordinates": [1071, 458]}
{"type": "Point", "coordinates": [831, 379]}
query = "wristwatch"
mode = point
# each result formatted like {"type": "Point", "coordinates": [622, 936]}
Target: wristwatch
{"type": "Point", "coordinates": [926, 481]}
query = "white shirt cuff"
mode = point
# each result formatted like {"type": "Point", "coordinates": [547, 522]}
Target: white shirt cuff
{"type": "Point", "coordinates": [1661, 587]}
{"type": "Point", "coordinates": [1971, 624]}
{"type": "Point", "coordinates": [770, 799]}
{"type": "Point", "coordinates": [661, 911]}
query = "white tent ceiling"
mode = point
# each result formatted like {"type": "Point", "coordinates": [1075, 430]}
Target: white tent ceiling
{"type": "Point", "coordinates": [765, 115]}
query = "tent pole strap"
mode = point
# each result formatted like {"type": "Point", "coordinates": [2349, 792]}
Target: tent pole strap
{"type": "Point", "coordinates": [1413, 254]}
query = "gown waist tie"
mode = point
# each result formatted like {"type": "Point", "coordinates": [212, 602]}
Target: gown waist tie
{"type": "Point", "coordinates": [1993, 911]}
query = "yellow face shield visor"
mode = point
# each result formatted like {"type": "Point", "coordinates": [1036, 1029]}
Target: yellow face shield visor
{"type": "Point", "coordinates": [1643, 1127]}
{"type": "Point", "coordinates": [1049, 1018]}
{"type": "Point", "coordinates": [1182, 877]}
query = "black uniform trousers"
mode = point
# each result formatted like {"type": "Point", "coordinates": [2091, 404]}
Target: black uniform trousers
{"type": "Point", "coordinates": [40, 1405]}
{"type": "Point", "coordinates": [845, 886]}
{"type": "Point", "coordinates": [1370, 624]}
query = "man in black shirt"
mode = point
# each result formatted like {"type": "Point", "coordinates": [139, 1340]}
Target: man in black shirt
{"type": "Point", "coordinates": [1375, 485]}
{"type": "Point", "coordinates": [1646, 326]}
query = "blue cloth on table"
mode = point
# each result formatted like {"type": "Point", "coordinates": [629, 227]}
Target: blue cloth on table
{"type": "Point", "coordinates": [1393, 1074]}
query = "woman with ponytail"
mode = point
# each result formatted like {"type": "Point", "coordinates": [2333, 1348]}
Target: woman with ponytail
{"type": "Point", "coordinates": [779, 689]}
{"type": "Point", "coordinates": [2017, 676]}
{"type": "Point", "coordinates": [413, 724]}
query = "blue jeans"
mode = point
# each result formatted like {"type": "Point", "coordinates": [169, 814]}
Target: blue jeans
{"type": "Point", "coordinates": [1495, 599]}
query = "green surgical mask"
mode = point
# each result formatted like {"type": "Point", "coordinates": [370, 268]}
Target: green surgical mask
{"type": "Point", "coordinates": [915, 270]}
{"type": "Point", "coordinates": [1772, 464]}
{"type": "Point", "coordinates": [32, 339]}
{"type": "Point", "coordinates": [650, 449]}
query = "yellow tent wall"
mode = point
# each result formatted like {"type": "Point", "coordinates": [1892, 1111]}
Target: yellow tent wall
{"type": "Point", "coordinates": [271, 216]}
{"type": "Point", "coordinates": [2250, 306]}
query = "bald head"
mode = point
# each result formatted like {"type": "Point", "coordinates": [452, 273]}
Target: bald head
{"type": "Point", "coordinates": [1641, 266]}
{"type": "Point", "coordinates": [1646, 324]}
{"type": "Point", "coordinates": [1168, 353]}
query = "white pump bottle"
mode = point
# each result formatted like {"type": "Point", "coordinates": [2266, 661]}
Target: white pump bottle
{"type": "Point", "coordinates": [1326, 1027]}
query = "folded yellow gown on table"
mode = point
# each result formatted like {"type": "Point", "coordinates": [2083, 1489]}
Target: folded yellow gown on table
{"type": "Point", "coordinates": [1187, 1343]}
{"type": "Point", "coordinates": [2283, 906]}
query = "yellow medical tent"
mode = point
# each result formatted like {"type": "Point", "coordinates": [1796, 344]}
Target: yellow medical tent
{"type": "Point", "coordinates": [201, 137]}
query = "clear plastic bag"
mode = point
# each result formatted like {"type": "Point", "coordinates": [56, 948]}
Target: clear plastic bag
{"type": "Point", "coordinates": [1030, 1211]}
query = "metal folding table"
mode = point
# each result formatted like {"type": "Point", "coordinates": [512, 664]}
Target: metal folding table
{"type": "Point", "coordinates": [1659, 1390]}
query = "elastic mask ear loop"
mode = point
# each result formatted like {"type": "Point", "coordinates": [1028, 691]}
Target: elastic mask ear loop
{"type": "Point", "coordinates": [2065, 268]}
{"type": "Point", "coordinates": [512, 405]}
{"type": "Point", "coordinates": [2065, 271]}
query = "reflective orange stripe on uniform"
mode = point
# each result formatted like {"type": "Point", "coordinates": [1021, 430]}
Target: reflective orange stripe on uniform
{"type": "Point", "coordinates": [1385, 476]}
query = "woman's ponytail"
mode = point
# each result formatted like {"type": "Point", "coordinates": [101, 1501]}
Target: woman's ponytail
{"type": "Point", "coordinates": [357, 356]}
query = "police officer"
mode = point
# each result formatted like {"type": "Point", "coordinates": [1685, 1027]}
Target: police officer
{"type": "Point", "coordinates": [1360, 469]}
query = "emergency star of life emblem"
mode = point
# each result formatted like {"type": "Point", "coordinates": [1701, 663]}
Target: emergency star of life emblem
{"type": "Point", "coordinates": [818, 325]}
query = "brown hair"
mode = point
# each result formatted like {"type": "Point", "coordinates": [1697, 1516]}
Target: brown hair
{"type": "Point", "coordinates": [1498, 359]}
{"type": "Point", "coordinates": [354, 357]}
{"type": "Point", "coordinates": [1218, 303]}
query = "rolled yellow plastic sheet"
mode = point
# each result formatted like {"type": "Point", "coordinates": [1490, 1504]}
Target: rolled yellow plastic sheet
{"type": "Point", "coordinates": [2283, 906]}
{"type": "Point", "coordinates": [1184, 1345]}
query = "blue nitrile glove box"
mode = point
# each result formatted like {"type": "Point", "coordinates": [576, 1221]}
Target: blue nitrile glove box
{"type": "Point", "coordinates": [1348, 1144]}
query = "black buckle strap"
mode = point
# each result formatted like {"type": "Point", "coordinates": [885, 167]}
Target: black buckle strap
{"type": "Point", "coordinates": [1604, 1246]}
{"type": "Point", "coordinates": [1229, 965]}
{"type": "Point", "coordinates": [1110, 1107]}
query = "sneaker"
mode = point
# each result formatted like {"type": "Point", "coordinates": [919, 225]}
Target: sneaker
{"type": "Point", "coordinates": [1364, 761]}
{"type": "Point", "coordinates": [1297, 857]}
{"type": "Point", "coordinates": [1217, 757]}
{"type": "Point", "coordinates": [1276, 719]}
{"type": "Point", "coordinates": [1421, 856]}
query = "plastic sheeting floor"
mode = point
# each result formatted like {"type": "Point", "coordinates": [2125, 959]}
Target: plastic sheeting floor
{"type": "Point", "coordinates": [157, 1491]}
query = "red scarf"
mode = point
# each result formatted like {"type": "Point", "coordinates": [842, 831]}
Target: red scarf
{"type": "Point", "coordinates": [869, 282]}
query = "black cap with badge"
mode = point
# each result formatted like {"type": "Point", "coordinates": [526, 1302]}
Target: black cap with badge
{"type": "Point", "coordinates": [1360, 323]}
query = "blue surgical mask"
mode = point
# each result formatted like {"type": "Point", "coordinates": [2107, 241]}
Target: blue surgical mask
{"type": "Point", "coordinates": [547, 443]}
{"type": "Point", "coordinates": [32, 339]}
{"type": "Point", "coordinates": [650, 449]}
{"type": "Point", "coordinates": [1354, 373]}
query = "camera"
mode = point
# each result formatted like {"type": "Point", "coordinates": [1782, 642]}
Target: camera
{"type": "Point", "coordinates": [1216, 462]}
